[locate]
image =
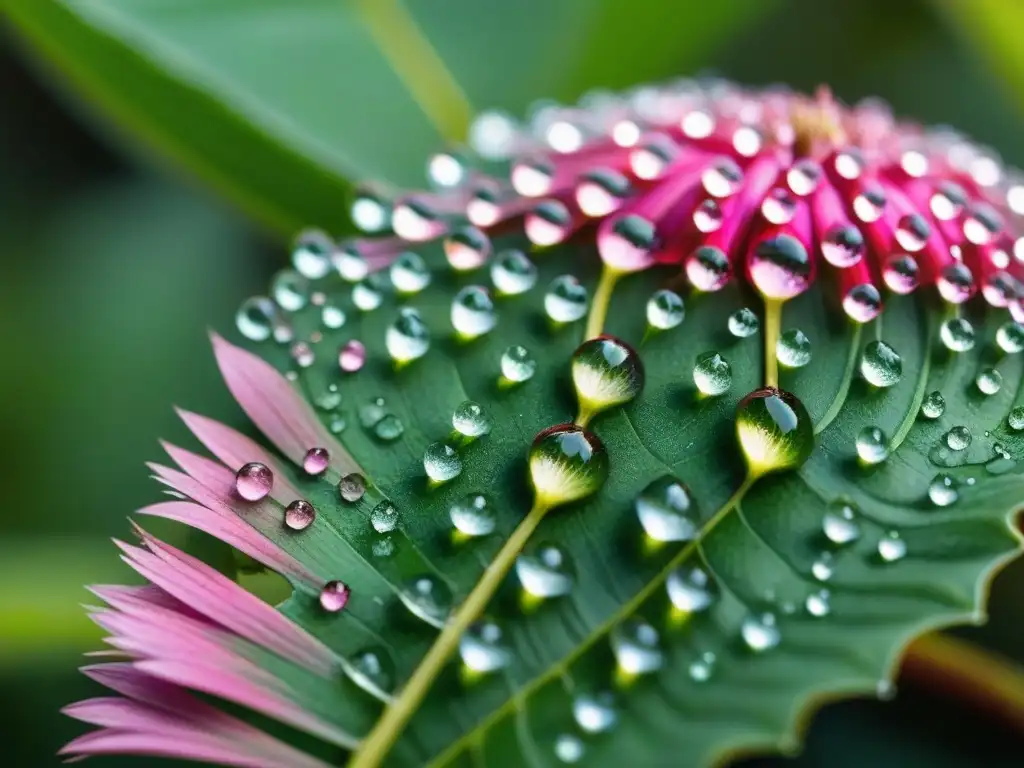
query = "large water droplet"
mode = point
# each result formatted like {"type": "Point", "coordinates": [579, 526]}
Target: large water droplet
{"type": "Point", "coordinates": [316, 461]}
{"type": "Point", "coordinates": [665, 309]}
{"type": "Point", "coordinates": [256, 318]}
{"type": "Point", "coordinates": [957, 334]}
{"type": "Point", "coordinates": [372, 670]}
{"type": "Point", "coordinates": [311, 254]}
{"type": "Point", "coordinates": [1010, 337]}
{"type": "Point", "coordinates": [958, 438]}
{"type": "Point", "coordinates": [384, 517]}
{"type": "Point", "coordinates": [933, 405]}
{"type": "Point", "coordinates": [862, 303]}
{"type": "Point", "coordinates": [565, 300]}
{"type": "Point", "coordinates": [637, 647]}
{"type": "Point", "coordinates": [691, 589]}
{"type": "Point", "coordinates": [352, 487]}
{"type": "Point", "coordinates": [606, 372]}
{"type": "Point", "coordinates": [943, 490]}
{"type": "Point", "coordinates": [469, 420]}
{"type": "Point", "coordinates": [467, 248]}
{"type": "Point", "coordinates": [840, 523]}
{"type": "Point", "coordinates": [334, 596]}
{"type": "Point", "coordinates": [472, 515]}
{"type": "Point", "coordinates": [513, 273]}
{"type": "Point", "coordinates": [409, 273]}
{"type": "Point", "coordinates": [441, 462]}
{"type": "Point", "coordinates": [666, 510]}
{"type": "Point", "coordinates": [872, 445]}
{"type": "Point", "coordinates": [760, 632]}
{"type": "Point", "coordinates": [707, 268]}
{"type": "Point", "coordinates": [712, 374]}
{"type": "Point", "coordinates": [869, 204]}
{"type": "Point", "coordinates": [254, 481]}
{"type": "Point", "coordinates": [427, 598]}
{"type": "Point", "coordinates": [989, 381]}
{"type": "Point", "coordinates": [891, 547]}
{"type": "Point", "coordinates": [517, 364]}
{"type": "Point", "coordinates": [566, 464]}
{"type": "Point", "coordinates": [299, 515]}
{"type": "Point", "coordinates": [803, 176]}
{"type": "Point", "coordinates": [775, 431]}
{"type": "Point", "coordinates": [793, 348]}
{"type": "Point", "coordinates": [743, 323]}
{"type": "Point", "coordinates": [595, 713]}
{"type": "Point", "coordinates": [780, 267]}
{"type": "Point", "coordinates": [880, 364]}
{"type": "Point", "coordinates": [546, 573]}
{"type": "Point", "coordinates": [473, 312]}
{"type": "Point", "coordinates": [778, 206]}
{"type": "Point", "coordinates": [627, 244]}
{"type": "Point", "coordinates": [408, 337]}
{"type": "Point", "coordinates": [482, 648]}
{"type": "Point", "coordinates": [843, 246]}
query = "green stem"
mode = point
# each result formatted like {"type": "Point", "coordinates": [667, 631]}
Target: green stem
{"type": "Point", "coordinates": [772, 326]}
{"type": "Point", "coordinates": [602, 298]}
{"type": "Point", "coordinates": [374, 748]}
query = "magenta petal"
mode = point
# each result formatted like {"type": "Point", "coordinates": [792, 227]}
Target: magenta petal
{"type": "Point", "coordinates": [276, 408]}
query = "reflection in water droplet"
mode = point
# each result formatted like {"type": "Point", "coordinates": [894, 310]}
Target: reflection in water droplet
{"type": "Point", "coordinates": [955, 283]}
{"type": "Point", "coordinates": [862, 303]}
{"type": "Point", "coordinates": [840, 523]}
{"type": "Point", "coordinates": [595, 713]}
{"type": "Point", "coordinates": [565, 300]}
{"type": "Point", "coordinates": [367, 294]}
{"type": "Point", "coordinates": [472, 312]}
{"type": "Point", "coordinates": [793, 348]}
{"type": "Point", "coordinates": [299, 515]}
{"type": "Point", "coordinates": [606, 372]}
{"type": "Point", "coordinates": [350, 265]}
{"type": "Point", "coordinates": [513, 273]}
{"type": "Point", "coordinates": [409, 273]}
{"type": "Point", "coordinates": [372, 670]}
{"type": "Point", "coordinates": [933, 405]}
{"type": "Point", "coordinates": [691, 589]}
{"type": "Point", "coordinates": [817, 603]}
{"type": "Point", "coordinates": [290, 290]}
{"type": "Point", "coordinates": [760, 632]}
{"type": "Point", "coordinates": [334, 596]}
{"type": "Point", "coordinates": [427, 598]}
{"type": "Point", "coordinates": [778, 206]}
{"type": "Point", "coordinates": [843, 246]}
{"type": "Point", "coordinates": [701, 669]}
{"type": "Point", "coordinates": [901, 273]}
{"type": "Point", "coordinates": [943, 490]}
{"type": "Point", "coordinates": [891, 547]}
{"type": "Point", "coordinates": [472, 515]}
{"type": "Point", "coordinates": [666, 510]}
{"type": "Point", "coordinates": [352, 487]}
{"type": "Point", "coordinates": [665, 310]}
{"type": "Point", "coordinates": [566, 463]}
{"type": "Point", "coordinates": [1010, 337]}
{"type": "Point", "coordinates": [1015, 419]}
{"type": "Point", "coordinates": [708, 216]}
{"type": "Point", "coordinates": [989, 381]}
{"type": "Point", "coordinates": [316, 461]}
{"type": "Point", "coordinates": [517, 364]}
{"type": "Point", "coordinates": [569, 748]}
{"type": "Point", "coordinates": [637, 647]}
{"type": "Point", "coordinates": [408, 337]}
{"type": "Point", "coordinates": [823, 567]}
{"type": "Point", "coordinates": [441, 462]}
{"type": "Point", "coordinates": [469, 420]}
{"type": "Point", "coordinates": [743, 323]}
{"type": "Point", "coordinates": [467, 248]}
{"type": "Point", "coordinates": [256, 318]}
{"type": "Point", "coordinates": [775, 431]}
{"type": "Point", "coordinates": [780, 267]}
{"type": "Point", "coordinates": [389, 428]}
{"type": "Point", "coordinates": [880, 364]}
{"type": "Point", "coordinates": [707, 268]}
{"type": "Point", "coordinates": [482, 649]}
{"type": "Point", "coordinates": [351, 356]}
{"type": "Point", "coordinates": [254, 481]}
{"type": "Point", "coordinates": [546, 573]}
{"type": "Point", "coordinates": [958, 438]}
{"type": "Point", "coordinates": [384, 517]}
{"type": "Point", "coordinates": [712, 374]}
{"type": "Point", "coordinates": [311, 254]}
{"type": "Point", "coordinates": [872, 445]}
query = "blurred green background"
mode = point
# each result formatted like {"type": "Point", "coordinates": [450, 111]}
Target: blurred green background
{"type": "Point", "coordinates": [116, 258]}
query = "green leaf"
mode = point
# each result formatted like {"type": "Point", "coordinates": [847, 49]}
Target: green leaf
{"type": "Point", "coordinates": [794, 617]}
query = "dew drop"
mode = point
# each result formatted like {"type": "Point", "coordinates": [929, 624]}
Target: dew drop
{"type": "Point", "coordinates": [384, 517]}
{"type": "Point", "coordinates": [517, 364]}
{"type": "Point", "coordinates": [665, 310]}
{"type": "Point", "coordinates": [469, 420]}
{"type": "Point", "coordinates": [415, 220]}
{"type": "Point", "coordinates": [290, 290]}
{"type": "Point", "coordinates": [473, 312]}
{"type": "Point", "coordinates": [869, 204]}
{"type": "Point", "coordinates": [707, 268]}
{"type": "Point", "coordinates": [780, 267]}
{"type": "Point", "coordinates": [409, 273]}
{"type": "Point", "coordinates": [743, 323]}
{"type": "Point", "coordinates": [957, 334]}
{"type": "Point", "coordinates": [849, 164]}
{"type": "Point", "coordinates": [350, 264]}
{"type": "Point", "coordinates": [565, 300]}
{"type": "Point", "coordinates": [627, 244]}
{"type": "Point", "coordinates": [760, 632]}
{"type": "Point", "coordinates": [947, 203]}
{"type": "Point", "coordinates": [958, 438]}
{"type": "Point", "coordinates": [803, 177]}
{"type": "Point", "coordinates": [427, 598]}
{"type": "Point", "coordinates": [862, 303]}
{"type": "Point", "coordinates": [372, 670]}
{"type": "Point", "coordinates": [370, 212]}
{"type": "Point", "coordinates": [367, 294]}
{"type": "Point", "coordinates": [712, 374]}
{"type": "Point", "coordinates": [823, 568]}
{"type": "Point", "coordinates": [933, 405]}
{"type": "Point", "coordinates": [302, 354]}
{"type": "Point", "coordinates": [778, 206]}
{"type": "Point", "coordinates": [254, 481]}
{"type": "Point", "coordinates": [701, 669]}
{"type": "Point", "coordinates": [881, 365]}
{"type": "Point", "coordinates": [382, 547]}
{"type": "Point", "coordinates": [872, 445]}
{"type": "Point", "coordinates": [256, 318]}
{"type": "Point", "coordinates": [606, 372]}
{"type": "Point", "coordinates": [1015, 419]}
{"type": "Point", "coordinates": [531, 177]}
{"type": "Point", "coordinates": [943, 490]}
{"type": "Point", "coordinates": [332, 317]}
{"type": "Point", "coordinates": [334, 596]}
{"type": "Point", "coordinates": [637, 647]}
{"type": "Point", "coordinates": [389, 428]}
{"type": "Point", "coordinates": [513, 273]}
{"type": "Point", "coordinates": [546, 573]}
{"type": "Point", "coordinates": [912, 232]}
{"type": "Point", "coordinates": [793, 348]}
{"type": "Point", "coordinates": [482, 648]}
{"type": "Point", "coordinates": [351, 356]}
{"type": "Point", "coordinates": [843, 246]}
{"type": "Point", "coordinates": [775, 431]}
{"type": "Point", "coordinates": [566, 463]}
{"type": "Point", "coordinates": [467, 248]}
{"type": "Point", "coordinates": [372, 412]}
{"type": "Point", "coordinates": [989, 381]}
{"type": "Point", "coordinates": [1010, 337]}
{"type": "Point", "coordinates": [311, 254]}
{"type": "Point", "coordinates": [352, 487]}
{"type": "Point", "coordinates": [569, 748]}
{"type": "Point", "coordinates": [548, 223]}
{"type": "Point", "coordinates": [708, 216]}
{"type": "Point", "coordinates": [955, 283]}
{"type": "Point", "coordinates": [441, 462]}
{"type": "Point", "coordinates": [601, 191]}
{"type": "Point", "coordinates": [691, 589]}
{"type": "Point", "coordinates": [299, 515]}
{"type": "Point", "coordinates": [408, 337]}
{"type": "Point", "coordinates": [901, 273]}
{"type": "Point", "coordinates": [722, 178]}
{"type": "Point", "coordinates": [840, 523]}
{"type": "Point", "coordinates": [328, 400]}
{"type": "Point", "coordinates": [472, 515]}
{"type": "Point", "coordinates": [446, 170]}
{"type": "Point", "coordinates": [817, 603]}
{"type": "Point", "coordinates": [666, 510]}
{"type": "Point", "coordinates": [595, 713]}
{"type": "Point", "coordinates": [892, 547]}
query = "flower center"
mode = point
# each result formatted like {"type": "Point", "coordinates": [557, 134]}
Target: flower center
{"type": "Point", "coordinates": [817, 125]}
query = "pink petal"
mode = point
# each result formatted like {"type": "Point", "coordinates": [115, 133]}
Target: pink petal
{"type": "Point", "coordinates": [276, 408]}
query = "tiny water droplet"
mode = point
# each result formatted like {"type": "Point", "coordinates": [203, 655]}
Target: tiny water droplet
{"type": "Point", "coordinates": [517, 364]}
{"type": "Point", "coordinates": [256, 318]}
{"type": "Point", "coordinates": [254, 481]}
{"type": "Point", "coordinates": [482, 648]}
{"type": "Point", "coordinates": [901, 273]}
{"type": "Point", "coordinates": [989, 381]}
{"type": "Point", "coordinates": [707, 268]}
{"type": "Point", "coordinates": [880, 364]}
{"type": "Point", "coordinates": [472, 515]}
{"type": "Point", "coordinates": [513, 273]}
{"type": "Point", "coordinates": [793, 348]}
{"type": "Point", "coordinates": [389, 428]}
{"type": "Point", "coordinates": [311, 254]}
{"type": "Point", "coordinates": [408, 337]}
{"type": "Point", "coordinates": [337, 425]}
{"type": "Point", "coordinates": [892, 547]}
{"type": "Point", "coordinates": [565, 300]}
{"type": "Point", "coordinates": [817, 603]}
{"type": "Point", "coordinates": [665, 309]}
{"type": "Point", "coordinates": [469, 420]}
{"type": "Point", "coordinates": [637, 647]}
{"type": "Point", "coordinates": [743, 323]}
{"type": "Point", "coordinates": [843, 246]}
{"type": "Point", "coordinates": [372, 670]}
{"type": "Point", "coordinates": [441, 462]}
{"type": "Point", "coordinates": [316, 461]}
{"type": "Point", "coordinates": [299, 515]}
{"type": "Point", "coordinates": [332, 317]}
{"type": "Point", "coordinates": [666, 510]}
{"type": "Point", "coordinates": [350, 264]}
{"type": "Point", "coordinates": [372, 412]}
{"type": "Point", "coordinates": [409, 273]}
{"type": "Point", "coordinates": [712, 374]}
{"type": "Point", "coordinates": [1010, 337]}
{"type": "Point", "coordinates": [467, 248]}
{"type": "Point", "coordinates": [691, 589]}
{"type": "Point", "coordinates": [595, 713]}
{"type": "Point", "coordinates": [367, 294]}
{"type": "Point", "coordinates": [566, 463]}
{"type": "Point", "coordinates": [382, 547]}
{"type": "Point", "coordinates": [370, 212]}
{"type": "Point", "coordinates": [302, 354]}
{"type": "Point", "coordinates": [958, 438]}
{"type": "Point", "coordinates": [943, 490]}
{"type": "Point", "coordinates": [334, 596]}
{"type": "Point", "coordinates": [775, 431]}
{"type": "Point", "coordinates": [384, 517]}
{"type": "Point", "coordinates": [606, 372]}
{"type": "Point", "coordinates": [1015, 419]}
{"type": "Point", "coordinates": [872, 445]}
{"type": "Point", "coordinates": [760, 632]}
{"type": "Point", "coordinates": [780, 267]}
{"type": "Point", "coordinates": [569, 748]}
{"type": "Point", "coordinates": [840, 523]}
{"type": "Point", "coordinates": [351, 356]}
{"type": "Point", "coordinates": [352, 487]}
{"type": "Point", "coordinates": [427, 598]}
{"type": "Point", "coordinates": [701, 669]}
{"type": "Point", "coordinates": [546, 573]}
{"type": "Point", "coordinates": [823, 568]}
{"type": "Point", "coordinates": [933, 405]}
{"type": "Point", "coordinates": [473, 312]}
{"type": "Point", "coordinates": [862, 303]}
{"type": "Point", "coordinates": [328, 400]}
{"type": "Point", "coordinates": [290, 290]}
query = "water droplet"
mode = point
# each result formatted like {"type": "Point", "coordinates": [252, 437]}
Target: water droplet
{"type": "Point", "coordinates": [958, 438]}
{"type": "Point", "coordinates": [955, 283]}
{"type": "Point", "coordinates": [352, 487]}
{"type": "Point", "coordinates": [760, 632]}
{"type": "Point", "coordinates": [256, 318]}
{"type": "Point", "coordinates": [367, 294]}
{"type": "Point", "coordinates": [722, 178]}
{"type": "Point", "coordinates": [372, 412]}
{"type": "Point", "coordinates": [332, 317]}
{"type": "Point", "coordinates": [823, 567]}
{"type": "Point", "coordinates": [566, 299]}
{"type": "Point", "coordinates": [351, 356]}
{"type": "Point", "coordinates": [350, 264]}
{"type": "Point", "coordinates": [943, 490]}
{"type": "Point", "coordinates": [840, 523]}
{"type": "Point", "coordinates": [311, 254]}
{"type": "Point", "coordinates": [880, 364]}
{"type": "Point", "coordinates": [891, 547]}
{"type": "Point", "coordinates": [862, 303]}
{"type": "Point", "coordinates": [666, 510]}
{"type": "Point", "coordinates": [441, 462]}
{"type": "Point", "coordinates": [849, 164]}
{"type": "Point", "coordinates": [701, 669]}
{"type": "Point", "coordinates": [803, 177]}
{"type": "Point", "coordinates": [482, 649]}
{"type": "Point", "coordinates": [843, 246]}
{"type": "Point", "coordinates": [957, 334]}
{"type": "Point", "coordinates": [299, 515]}
{"type": "Point", "coordinates": [712, 374]}
{"type": "Point", "coordinates": [389, 428]}
{"type": "Point", "coordinates": [372, 670]}
{"type": "Point", "coordinates": [566, 464]}
{"type": "Point", "coordinates": [627, 244]}
{"type": "Point", "coordinates": [665, 309]}
{"type": "Point", "coordinates": [601, 191]}
{"type": "Point", "coordinates": [817, 603]}
{"type": "Point", "coordinates": [513, 273]}
{"type": "Point", "coordinates": [569, 748]}
{"type": "Point", "coordinates": [446, 170]}
{"type": "Point", "coordinates": [912, 232]}
{"type": "Point", "coordinates": [1010, 337]}
{"type": "Point", "coordinates": [707, 268]}
{"type": "Point", "coordinates": [532, 177]}
{"type": "Point", "coordinates": [1015, 419]}
{"type": "Point", "coordinates": [472, 515]}
{"type": "Point", "coordinates": [869, 204]}
{"type": "Point", "coordinates": [328, 400]}
{"type": "Point", "coordinates": [409, 273]}
{"type": "Point", "coordinates": [408, 337]}
{"type": "Point", "coordinates": [334, 596]}
{"type": "Point", "coordinates": [302, 354]}
{"type": "Point", "coordinates": [933, 405]}
{"type": "Point", "coordinates": [691, 589]}
{"type": "Point", "coordinates": [606, 372]}
{"type": "Point", "coordinates": [413, 219]}
{"type": "Point", "coordinates": [473, 312]}
{"type": "Point", "coordinates": [384, 517]}
{"type": "Point", "coordinates": [546, 573]}
{"type": "Point", "coordinates": [872, 445]}
{"type": "Point", "coordinates": [370, 212]}
{"type": "Point", "coordinates": [793, 348]}
{"type": "Point", "coordinates": [989, 381]}
{"type": "Point", "coordinates": [254, 481]}
{"type": "Point", "coordinates": [316, 461]}
{"type": "Point", "coordinates": [549, 223]}
{"type": "Point", "coordinates": [469, 420]}
{"type": "Point", "coordinates": [637, 647]}
{"type": "Point", "coordinates": [427, 598]}
{"type": "Point", "coordinates": [901, 273]}
{"type": "Point", "coordinates": [467, 248]}
{"type": "Point", "coordinates": [780, 267]}
{"type": "Point", "coordinates": [708, 216]}
{"type": "Point", "coordinates": [947, 203]}
{"type": "Point", "coordinates": [517, 364]}
{"type": "Point", "coordinates": [775, 431]}
{"type": "Point", "coordinates": [382, 547]}
{"type": "Point", "coordinates": [778, 206]}
{"type": "Point", "coordinates": [290, 290]}
{"type": "Point", "coordinates": [743, 323]}
{"type": "Point", "coordinates": [595, 713]}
